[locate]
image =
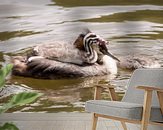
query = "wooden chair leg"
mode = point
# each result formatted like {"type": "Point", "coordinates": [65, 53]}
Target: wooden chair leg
{"type": "Point", "coordinates": [160, 98]}
{"type": "Point", "coordinates": [114, 98]}
{"type": "Point", "coordinates": [124, 125]}
{"type": "Point", "coordinates": [97, 96]}
{"type": "Point", "coordinates": [112, 94]}
{"type": "Point", "coordinates": [97, 93]}
{"type": "Point", "coordinates": [94, 122]}
{"type": "Point", "coordinates": [146, 109]}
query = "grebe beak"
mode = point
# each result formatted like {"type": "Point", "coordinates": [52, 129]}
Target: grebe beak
{"type": "Point", "coordinates": [104, 50]}
{"type": "Point", "coordinates": [111, 55]}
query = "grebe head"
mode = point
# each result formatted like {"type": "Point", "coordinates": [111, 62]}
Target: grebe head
{"type": "Point", "coordinates": [79, 41]}
{"type": "Point", "coordinates": [20, 65]}
{"type": "Point", "coordinates": [104, 49]}
{"type": "Point", "coordinates": [85, 40]}
{"type": "Point", "coordinates": [83, 43]}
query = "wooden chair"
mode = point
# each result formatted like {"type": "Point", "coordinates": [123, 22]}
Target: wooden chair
{"type": "Point", "coordinates": [141, 104]}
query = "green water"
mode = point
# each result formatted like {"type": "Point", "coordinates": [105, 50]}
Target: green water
{"type": "Point", "coordinates": [131, 27]}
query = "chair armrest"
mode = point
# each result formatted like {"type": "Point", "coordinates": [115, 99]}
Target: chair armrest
{"type": "Point", "coordinates": [149, 88]}
{"type": "Point", "coordinates": [148, 101]}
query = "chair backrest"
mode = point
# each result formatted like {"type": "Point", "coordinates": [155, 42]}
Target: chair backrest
{"type": "Point", "coordinates": [143, 77]}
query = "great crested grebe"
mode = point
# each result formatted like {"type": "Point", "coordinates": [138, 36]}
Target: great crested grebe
{"type": "Point", "coordinates": [88, 56]}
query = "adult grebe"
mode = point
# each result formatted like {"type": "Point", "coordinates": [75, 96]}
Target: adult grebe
{"type": "Point", "coordinates": [88, 56]}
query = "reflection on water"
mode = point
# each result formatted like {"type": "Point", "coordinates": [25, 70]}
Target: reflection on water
{"type": "Point", "coordinates": [143, 15]}
{"type": "Point", "coordinates": [8, 35]}
{"type": "Point", "coordinates": [132, 27]}
{"type": "Point", "coordinates": [73, 3]}
{"type": "Point", "coordinates": [59, 95]}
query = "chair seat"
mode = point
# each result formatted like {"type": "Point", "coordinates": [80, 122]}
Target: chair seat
{"type": "Point", "coordinates": [131, 111]}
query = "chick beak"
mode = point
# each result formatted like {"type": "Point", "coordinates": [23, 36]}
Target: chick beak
{"type": "Point", "coordinates": [111, 55]}
{"type": "Point", "coordinates": [105, 51]}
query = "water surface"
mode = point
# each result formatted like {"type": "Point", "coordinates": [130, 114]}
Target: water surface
{"type": "Point", "coordinates": [131, 27]}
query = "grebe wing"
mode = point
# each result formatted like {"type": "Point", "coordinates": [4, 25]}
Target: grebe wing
{"type": "Point", "coordinates": [59, 51]}
{"type": "Point", "coordinates": [46, 68]}
{"type": "Point", "coordinates": [54, 50]}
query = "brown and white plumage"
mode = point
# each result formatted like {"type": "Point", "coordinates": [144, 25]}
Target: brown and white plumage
{"type": "Point", "coordinates": [70, 53]}
{"type": "Point", "coordinates": [44, 68]}
{"type": "Point", "coordinates": [63, 52]}
{"type": "Point", "coordinates": [59, 59]}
